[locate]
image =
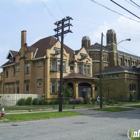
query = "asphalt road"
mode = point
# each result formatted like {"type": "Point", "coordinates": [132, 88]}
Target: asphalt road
{"type": "Point", "coordinates": [92, 125]}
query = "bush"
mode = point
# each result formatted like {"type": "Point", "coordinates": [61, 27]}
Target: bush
{"type": "Point", "coordinates": [35, 101]}
{"type": "Point", "coordinates": [21, 102]}
{"type": "Point", "coordinates": [43, 102]}
{"type": "Point", "coordinates": [85, 100]}
{"type": "Point", "coordinates": [28, 101]}
{"type": "Point", "coordinates": [76, 101]}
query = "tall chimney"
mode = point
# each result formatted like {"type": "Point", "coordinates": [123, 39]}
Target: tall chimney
{"type": "Point", "coordinates": [23, 37]}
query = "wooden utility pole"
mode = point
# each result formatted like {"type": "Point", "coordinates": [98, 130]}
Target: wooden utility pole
{"type": "Point", "coordinates": [65, 22]}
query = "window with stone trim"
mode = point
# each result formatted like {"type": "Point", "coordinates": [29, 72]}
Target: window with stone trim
{"type": "Point", "coordinates": [39, 83]}
{"type": "Point", "coordinates": [27, 68]}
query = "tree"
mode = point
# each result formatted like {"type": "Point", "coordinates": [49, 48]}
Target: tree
{"type": "Point", "coordinates": [67, 91]}
{"type": "Point", "coordinates": [109, 85]}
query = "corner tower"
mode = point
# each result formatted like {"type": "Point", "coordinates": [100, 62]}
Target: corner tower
{"type": "Point", "coordinates": [112, 47]}
{"type": "Point", "coordinates": [85, 42]}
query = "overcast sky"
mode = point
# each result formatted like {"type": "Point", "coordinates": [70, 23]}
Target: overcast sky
{"type": "Point", "coordinates": [37, 17]}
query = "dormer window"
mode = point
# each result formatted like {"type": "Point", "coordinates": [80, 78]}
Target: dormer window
{"type": "Point", "coordinates": [57, 51]}
{"type": "Point", "coordinates": [11, 59]}
{"type": "Point", "coordinates": [83, 56]}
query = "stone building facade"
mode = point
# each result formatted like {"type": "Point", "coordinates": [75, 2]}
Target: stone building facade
{"type": "Point", "coordinates": [35, 69]}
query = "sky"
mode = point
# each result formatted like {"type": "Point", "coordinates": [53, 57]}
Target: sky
{"type": "Point", "coordinates": [37, 17]}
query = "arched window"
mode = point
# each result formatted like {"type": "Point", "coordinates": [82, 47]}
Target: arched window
{"type": "Point", "coordinates": [120, 62]}
{"type": "Point", "coordinates": [128, 63]}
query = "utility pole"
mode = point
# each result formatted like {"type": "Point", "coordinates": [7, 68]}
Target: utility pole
{"type": "Point", "coordinates": [101, 60]}
{"type": "Point", "coordinates": [65, 22]}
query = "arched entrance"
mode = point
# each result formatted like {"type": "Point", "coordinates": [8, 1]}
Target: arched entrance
{"type": "Point", "coordinates": [84, 89]}
{"type": "Point", "coordinates": [71, 86]}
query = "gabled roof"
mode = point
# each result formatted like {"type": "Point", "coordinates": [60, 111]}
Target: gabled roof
{"type": "Point", "coordinates": [119, 69]}
{"type": "Point", "coordinates": [42, 45]}
{"type": "Point", "coordinates": [78, 76]}
{"type": "Point", "coordinates": [11, 53]}
{"type": "Point", "coordinates": [47, 43]}
{"type": "Point", "coordinates": [97, 46]}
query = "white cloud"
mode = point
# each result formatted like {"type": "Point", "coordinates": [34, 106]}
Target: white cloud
{"type": "Point", "coordinates": [124, 29]}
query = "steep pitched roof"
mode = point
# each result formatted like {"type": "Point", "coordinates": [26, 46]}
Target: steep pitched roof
{"type": "Point", "coordinates": [97, 46]}
{"type": "Point", "coordinates": [14, 53]}
{"type": "Point", "coordinates": [119, 69]}
{"type": "Point", "coordinates": [42, 45]}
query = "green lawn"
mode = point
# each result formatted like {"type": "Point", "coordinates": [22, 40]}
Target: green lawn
{"type": "Point", "coordinates": [113, 109]}
{"type": "Point", "coordinates": [136, 106]}
{"type": "Point", "coordinates": [38, 107]}
{"type": "Point", "coordinates": [37, 116]}
{"type": "Point", "coordinates": [136, 139]}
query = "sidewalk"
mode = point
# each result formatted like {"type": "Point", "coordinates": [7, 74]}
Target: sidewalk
{"type": "Point", "coordinates": [65, 109]}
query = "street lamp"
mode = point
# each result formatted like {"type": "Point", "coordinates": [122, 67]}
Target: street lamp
{"type": "Point", "coordinates": [128, 39]}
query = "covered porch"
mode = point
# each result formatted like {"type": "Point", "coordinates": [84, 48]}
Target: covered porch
{"type": "Point", "coordinates": [81, 84]}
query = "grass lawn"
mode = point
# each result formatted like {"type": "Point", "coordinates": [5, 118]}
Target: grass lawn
{"type": "Point", "coordinates": [136, 106]}
{"type": "Point", "coordinates": [136, 139]}
{"type": "Point", "coordinates": [38, 116]}
{"type": "Point", "coordinates": [113, 109]}
{"type": "Point", "coordinates": [35, 107]}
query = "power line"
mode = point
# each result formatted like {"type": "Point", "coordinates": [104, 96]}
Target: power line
{"type": "Point", "coordinates": [125, 9]}
{"type": "Point", "coordinates": [114, 11]}
{"type": "Point", "coordinates": [102, 25]}
{"type": "Point", "coordinates": [49, 11]}
{"type": "Point", "coordinates": [60, 7]}
{"type": "Point", "coordinates": [135, 3]}
{"type": "Point", "coordinates": [132, 4]}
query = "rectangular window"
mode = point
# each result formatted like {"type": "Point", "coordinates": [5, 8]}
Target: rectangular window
{"type": "Point", "coordinates": [72, 68]}
{"type": "Point", "coordinates": [39, 83]}
{"type": "Point", "coordinates": [53, 87]}
{"type": "Point", "coordinates": [27, 68]}
{"type": "Point", "coordinates": [80, 69]}
{"type": "Point", "coordinates": [18, 67]}
{"type": "Point", "coordinates": [18, 89]}
{"type": "Point", "coordinates": [14, 71]}
{"type": "Point", "coordinates": [85, 67]}
{"type": "Point", "coordinates": [6, 73]}
{"type": "Point", "coordinates": [57, 51]}
{"type": "Point", "coordinates": [26, 87]}
{"type": "Point", "coordinates": [88, 69]}
{"type": "Point", "coordinates": [58, 65]}
{"type": "Point", "coordinates": [53, 65]}
{"type": "Point", "coordinates": [40, 64]}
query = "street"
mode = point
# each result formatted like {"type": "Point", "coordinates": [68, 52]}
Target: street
{"type": "Point", "coordinates": [92, 125]}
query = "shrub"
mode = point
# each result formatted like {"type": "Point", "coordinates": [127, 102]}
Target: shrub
{"type": "Point", "coordinates": [28, 101]}
{"type": "Point", "coordinates": [85, 100]}
{"type": "Point", "coordinates": [43, 102]}
{"type": "Point", "coordinates": [21, 102]}
{"type": "Point", "coordinates": [35, 101]}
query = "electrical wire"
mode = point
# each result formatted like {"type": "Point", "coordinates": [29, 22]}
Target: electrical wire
{"type": "Point", "coordinates": [135, 3]}
{"type": "Point", "coordinates": [115, 11]}
{"type": "Point", "coordinates": [132, 4]}
{"type": "Point", "coordinates": [60, 8]}
{"type": "Point", "coordinates": [49, 11]}
{"type": "Point", "coordinates": [103, 25]}
{"type": "Point", "coordinates": [125, 9]}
